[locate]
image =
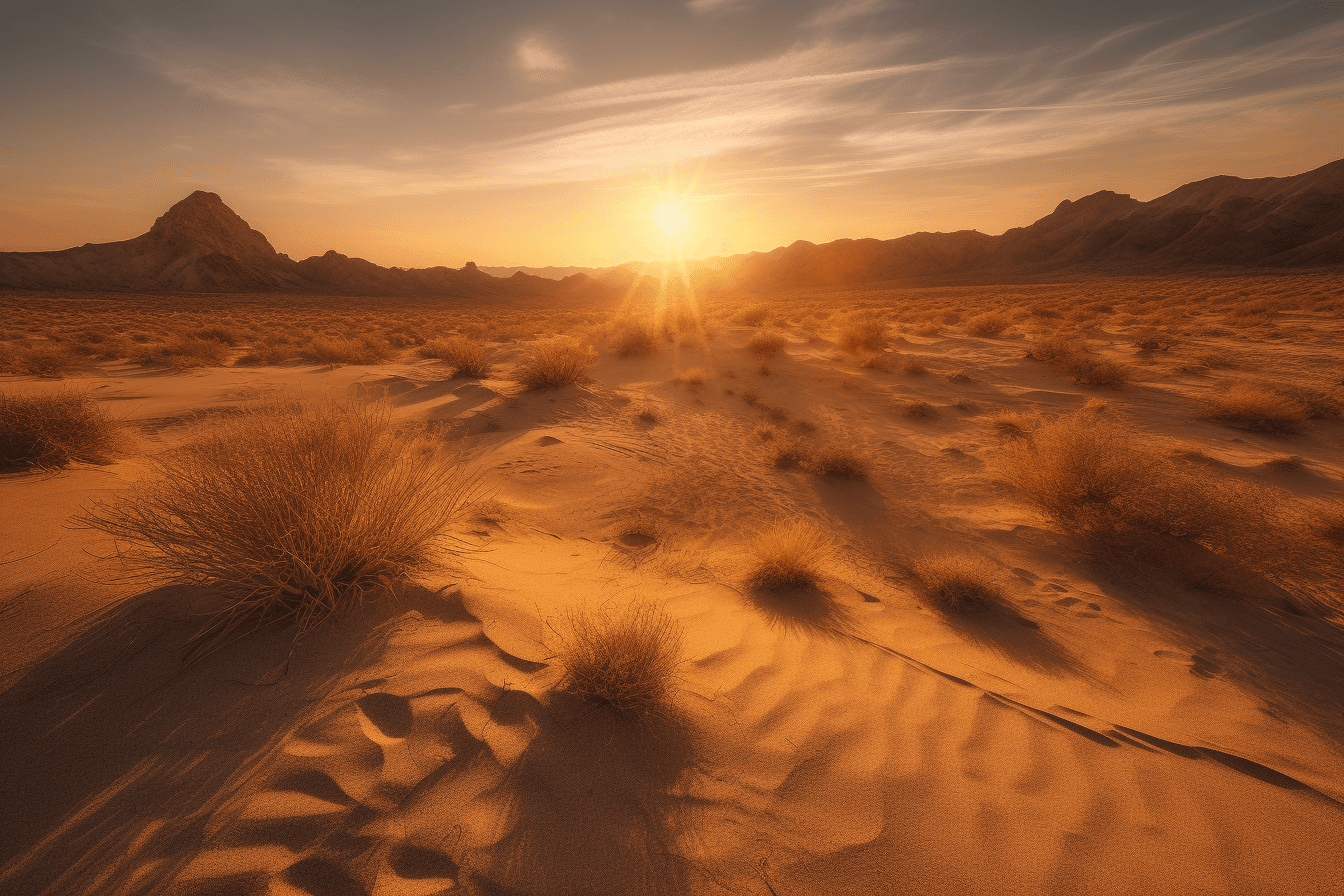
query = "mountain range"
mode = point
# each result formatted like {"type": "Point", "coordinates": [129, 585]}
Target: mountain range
{"type": "Point", "coordinates": [201, 245]}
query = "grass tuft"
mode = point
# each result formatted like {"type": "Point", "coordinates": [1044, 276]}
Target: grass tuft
{"type": "Point", "coordinates": [627, 663]}
{"type": "Point", "coordinates": [555, 362]}
{"type": "Point", "coordinates": [291, 513]}
{"type": "Point", "coordinates": [958, 582]}
{"type": "Point", "coordinates": [51, 430]}
{"type": "Point", "coordinates": [766, 343]}
{"type": "Point", "coordinates": [466, 357]}
{"type": "Point", "coordinates": [1253, 407]}
{"type": "Point", "coordinates": [789, 555]}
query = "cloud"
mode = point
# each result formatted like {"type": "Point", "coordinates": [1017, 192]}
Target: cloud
{"type": "Point", "coordinates": [838, 112]}
{"type": "Point", "coordinates": [259, 87]}
{"type": "Point", "coordinates": [539, 61]}
{"type": "Point", "coordinates": [838, 13]}
{"type": "Point", "coordinates": [701, 7]}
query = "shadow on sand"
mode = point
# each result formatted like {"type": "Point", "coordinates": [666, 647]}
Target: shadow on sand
{"type": "Point", "coordinates": [593, 805]}
{"type": "Point", "coordinates": [103, 739]}
{"type": "Point", "coordinates": [805, 610]}
{"type": "Point", "coordinates": [1004, 631]}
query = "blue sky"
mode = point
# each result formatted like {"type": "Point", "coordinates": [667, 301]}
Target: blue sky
{"type": "Point", "coordinates": [420, 132]}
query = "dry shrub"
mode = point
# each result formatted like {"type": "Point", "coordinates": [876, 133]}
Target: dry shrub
{"type": "Point", "coordinates": [1070, 357]}
{"type": "Point", "coordinates": [1013, 424]}
{"type": "Point", "coordinates": [752, 316]}
{"type": "Point", "coordinates": [863, 331]}
{"type": "Point", "coordinates": [788, 453]}
{"type": "Point", "coordinates": [836, 462]}
{"type": "Point", "coordinates": [789, 555]}
{"type": "Point", "coordinates": [751, 396]}
{"type": "Point", "coordinates": [694, 376]}
{"type": "Point", "coordinates": [766, 432]}
{"type": "Point", "coordinates": [767, 343]}
{"type": "Point", "coordinates": [44, 359]}
{"type": "Point", "coordinates": [883, 361]}
{"type": "Point", "coordinates": [267, 353]}
{"type": "Point", "coordinates": [1101, 481]}
{"type": "Point", "coordinates": [221, 334]}
{"type": "Point", "coordinates": [333, 351]}
{"type": "Point", "coordinates": [466, 357]}
{"type": "Point", "coordinates": [989, 323]}
{"type": "Point", "coordinates": [53, 429]}
{"type": "Point", "coordinates": [914, 367]}
{"type": "Point", "coordinates": [627, 663]}
{"type": "Point", "coordinates": [290, 513]}
{"type": "Point", "coordinates": [555, 362]}
{"type": "Point", "coordinates": [1152, 339]}
{"type": "Point", "coordinates": [919, 409]}
{"type": "Point", "coordinates": [633, 340]}
{"type": "Point", "coordinates": [960, 376]}
{"type": "Point", "coordinates": [1320, 403]}
{"type": "Point", "coordinates": [183, 353]}
{"type": "Point", "coordinates": [1254, 407]}
{"type": "Point", "coordinates": [648, 414]}
{"type": "Point", "coordinates": [958, 582]}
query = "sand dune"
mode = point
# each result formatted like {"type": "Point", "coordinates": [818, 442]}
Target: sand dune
{"type": "Point", "coordinates": [1108, 729]}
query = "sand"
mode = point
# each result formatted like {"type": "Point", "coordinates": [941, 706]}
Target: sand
{"type": "Point", "coordinates": [1103, 732]}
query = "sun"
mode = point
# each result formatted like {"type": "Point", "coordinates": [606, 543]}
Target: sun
{"type": "Point", "coordinates": [674, 218]}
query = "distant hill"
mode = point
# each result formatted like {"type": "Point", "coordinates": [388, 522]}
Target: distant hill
{"type": "Point", "coordinates": [200, 245]}
{"type": "Point", "coordinates": [1269, 222]}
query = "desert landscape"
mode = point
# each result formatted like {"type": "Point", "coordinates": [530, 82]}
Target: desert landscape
{"type": "Point", "coordinates": [947, 563]}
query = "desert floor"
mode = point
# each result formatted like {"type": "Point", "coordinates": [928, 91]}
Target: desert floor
{"type": "Point", "coordinates": [1114, 727]}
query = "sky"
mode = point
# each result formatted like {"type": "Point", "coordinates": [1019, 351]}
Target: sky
{"type": "Point", "coordinates": [425, 132]}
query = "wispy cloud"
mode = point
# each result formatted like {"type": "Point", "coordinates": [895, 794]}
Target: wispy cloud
{"type": "Point", "coordinates": [538, 60]}
{"type": "Point", "coordinates": [837, 112]}
{"type": "Point", "coordinates": [844, 11]}
{"type": "Point", "coordinates": [701, 7]}
{"type": "Point", "coordinates": [260, 87]}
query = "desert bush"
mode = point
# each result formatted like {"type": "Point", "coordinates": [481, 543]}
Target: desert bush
{"type": "Point", "coordinates": [692, 376]}
{"type": "Point", "coordinates": [988, 323]}
{"type": "Point", "coordinates": [465, 357]}
{"type": "Point", "coordinates": [752, 316]}
{"type": "Point", "coordinates": [290, 513]}
{"type": "Point", "coordinates": [1013, 424]}
{"type": "Point", "coordinates": [1102, 482]}
{"type": "Point", "coordinates": [551, 363]}
{"type": "Point", "coordinates": [766, 343]}
{"type": "Point", "coordinates": [883, 361]}
{"type": "Point", "coordinates": [836, 462]}
{"type": "Point", "coordinates": [766, 432]}
{"type": "Point", "coordinates": [788, 453]}
{"type": "Point", "coordinates": [648, 414]}
{"type": "Point", "coordinates": [1253, 407]}
{"type": "Point", "coordinates": [627, 663]}
{"type": "Point", "coordinates": [1070, 357]}
{"type": "Point", "coordinates": [1152, 339]}
{"type": "Point", "coordinates": [958, 582]}
{"type": "Point", "coordinates": [863, 331]}
{"type": "Point", "coordinates": [44, 359]}
{"type": "Point", "coordinates": [789, 555]}
{"type": "Point", "coordinates": [336, 350]}
{"type": "Point", "coordinates": [751, 396]}
{"type": "Point", "coordinates": [913, 367]}
{"type": "Point", "coordinates": [53, 429]}
{"type": "Point", "coordinates": [919, 409]}
{"type": "Point", "coordinates": [631, 339]}
{"type": "Point", "coordinates": [267, 354]}
{"type": "Point", "coordinates": [221, 334]}
{"type": "Point", "coordinates": [182, 353]}
{"type": "Point", "coordinates": [959, 376]}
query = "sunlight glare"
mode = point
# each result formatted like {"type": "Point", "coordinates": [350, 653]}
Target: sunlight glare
{"type": "Point", "coordinates": [674, 219]}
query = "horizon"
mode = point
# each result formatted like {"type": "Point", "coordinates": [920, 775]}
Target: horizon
{"type": "Point", "coordinates": [522, 138]}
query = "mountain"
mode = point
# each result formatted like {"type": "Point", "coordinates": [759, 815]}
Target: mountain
{"type": "Point", "coordinates": [200, 245]}
{"type": "Point", "coordinates": [1269, 222]}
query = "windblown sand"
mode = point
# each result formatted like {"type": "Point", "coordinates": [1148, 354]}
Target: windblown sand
{"type": "Point", "coordinates": [1108, 730]}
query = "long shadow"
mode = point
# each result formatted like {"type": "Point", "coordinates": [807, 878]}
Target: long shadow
{"type": "Point", "coordinates": [804, 610]}
{"type": "Point", "coordinates": [112, 739]}
{"type": "Point", "coordinates": [1002, 630]}
{"type": "Point", "coordinates": [593, 807]}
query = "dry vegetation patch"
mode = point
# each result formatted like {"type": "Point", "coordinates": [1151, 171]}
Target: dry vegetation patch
{"type": "Point", "coordinates": [958, 582]}
{"type": "Point", "coordinates": [1100, 480]}
{"type": "Point", "coordinates": [44, 359]}
{"type": "Point", "coordinates": [987, 324]}
{"type": "Point", "coordinates": [54, 429]}
{"type": "Point", "coordinates": [555, 362]}
{"type": "Point", "coordinates": [291, 513]}
{"type": "Point", "coordinates": [1258, 408]}
{"type": "Point", "coordinates": [1071, 357]}
{"type": "Point", "coordinates": [789, 555]}
{"type": "Point", "coordinates": [466, 357]}
{"type": "Point", "coordinates": [863, 331]}
{"type": "Point", "coordinates": [836, 462]}
{"type": "Point", "coordinates": [631, 339]}
{"type": "Point", "coordinates": [627, 663]}
{"type": "Point", "coordinates": [766, 343]}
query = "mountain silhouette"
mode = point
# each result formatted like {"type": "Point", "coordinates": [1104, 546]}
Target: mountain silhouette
{"type": "Point", "coordinates": [201, 245]}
